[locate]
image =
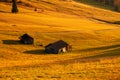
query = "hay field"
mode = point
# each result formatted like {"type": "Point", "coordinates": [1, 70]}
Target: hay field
{"type": "Point", "coordinates": [91, 31]}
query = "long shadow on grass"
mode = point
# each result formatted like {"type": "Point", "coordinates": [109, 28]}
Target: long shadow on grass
{"type": "Point", "coordinates": [11, 42]}
{"type": "Point", "coordinates": [110, 22]}
{"type": "Point", "coordinates": [115, 52]}
{"type": "Point", "coordinates": [106, 54]}
{"type": "Point", "coordinates": [41, 51]}
{"type": "Point", "coordinates": [4, 12]}
{"type": "Point", "coordinates": [98, 48]}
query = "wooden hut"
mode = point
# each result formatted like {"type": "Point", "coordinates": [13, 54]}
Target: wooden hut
{"type": "Point", "coordinates": [26, 39]}
{"type": "Point", "coordinates": [57, 47]}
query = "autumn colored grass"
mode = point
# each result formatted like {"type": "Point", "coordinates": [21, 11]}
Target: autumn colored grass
{"type": "Point", "coordinates": [95, 43]}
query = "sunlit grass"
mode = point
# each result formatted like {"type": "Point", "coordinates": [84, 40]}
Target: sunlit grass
{"type": "Point", "coordinates": [96, 44]}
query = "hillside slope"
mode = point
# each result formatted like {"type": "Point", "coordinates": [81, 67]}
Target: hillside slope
{"type": "Point", "coordinates": [91, 31]}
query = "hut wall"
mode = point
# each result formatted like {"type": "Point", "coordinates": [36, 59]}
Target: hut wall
{"type": "Point", "coordinates": [50, 50]}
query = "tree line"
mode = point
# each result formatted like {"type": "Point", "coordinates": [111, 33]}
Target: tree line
{"type": "Point", "coordinates": [114, 3]}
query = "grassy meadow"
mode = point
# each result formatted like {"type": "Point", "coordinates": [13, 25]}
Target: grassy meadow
{"type": "Point", "coordinates": [94, 34]}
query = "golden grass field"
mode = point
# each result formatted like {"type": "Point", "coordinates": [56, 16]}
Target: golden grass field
{"type": "Point", "coordinates": [90, 30]}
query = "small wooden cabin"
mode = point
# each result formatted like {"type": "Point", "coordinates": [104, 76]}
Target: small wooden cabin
{"type": "Point", "coordinates": [26, 39]}
{"type": "Point", "coordinates": [57, 47]}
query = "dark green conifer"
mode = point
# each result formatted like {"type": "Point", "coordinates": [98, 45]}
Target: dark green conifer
{"type": "Point", "coordinates": [14, 6]}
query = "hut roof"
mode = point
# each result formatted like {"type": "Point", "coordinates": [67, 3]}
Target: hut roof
{"type": "Point", "coordinates": [24, 36]}
{"type": "Point", "coordinates": [57, 45]}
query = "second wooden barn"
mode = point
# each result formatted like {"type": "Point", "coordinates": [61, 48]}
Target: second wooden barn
{"type": "Point", "coordinates": [57, 47]}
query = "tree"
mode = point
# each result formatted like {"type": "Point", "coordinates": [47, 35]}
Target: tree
{"type": "Point", "coordinates": [14, 6]}
{"type": "Point", "coordinates": [117, 5]}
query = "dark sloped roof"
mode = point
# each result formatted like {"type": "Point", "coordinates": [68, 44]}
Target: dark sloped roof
{"type": "Point", "coordinates": [24, 36]}
{"type": "Point", "coordinates": [57, 45]}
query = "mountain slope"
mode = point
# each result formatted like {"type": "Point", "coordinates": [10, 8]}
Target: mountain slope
{"type": "Point", "coordinates": [91, 31]}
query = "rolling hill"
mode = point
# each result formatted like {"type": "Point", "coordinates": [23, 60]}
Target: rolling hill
{"type": "Point", "coordinates": [93, 32]}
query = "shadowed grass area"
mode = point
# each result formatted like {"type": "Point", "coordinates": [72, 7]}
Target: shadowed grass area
{"type": "Point", "coordinates": [96, 4]}
{"type": "Point", "coordinates": [41, 51]}
{"type": "Point", "coordinates": [109, 53]}
{"type": "Point", "coordinates": [117, 22]}
{"type": "Point", "coordinates": [95, 58]}
{"type": "Point", "coordinates": [11, 42]}
{"type": "Point", "coordinates": [110, 22]}
{"type": "Point", "coordinates": [115, 52]}
{"type": "Point", "coordinates": [100, 48]}
{"type": "Point", "coordinates": [4, 12]}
